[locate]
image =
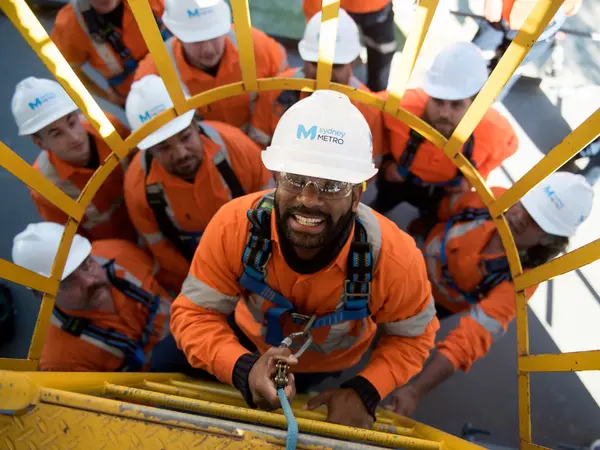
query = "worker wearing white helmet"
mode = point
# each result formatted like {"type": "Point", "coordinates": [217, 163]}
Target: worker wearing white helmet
{"type": "Point", "coordinates": [109, 310]}
{"type": "Point", "coordinates": [204, 53]}
{"type": "Point", "coordinates": [72, 150]}
{"type": "Point", "coordinates": [469, 273]}
{"type": "Point", "coordinates": [308, 256]}
{"type": "Point", "coordinates": [185, 172]}
{"type": "Point", "coordinates": [272, 104]}
{"type": "Point", "coordinates": [418, 172]}
{"type": "Point", "coordinates": [105, 35]}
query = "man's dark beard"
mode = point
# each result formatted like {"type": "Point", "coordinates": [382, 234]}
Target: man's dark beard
{"type": "Point", "coordinates": [427, 120]}
{"type": "Point", "coordinates": [329, 242]}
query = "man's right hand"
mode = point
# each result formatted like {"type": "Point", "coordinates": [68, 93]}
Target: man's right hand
{"type": "Point", "coordinates": [390, 173]}
{"type": "Point", "coordinates": [260, 378]}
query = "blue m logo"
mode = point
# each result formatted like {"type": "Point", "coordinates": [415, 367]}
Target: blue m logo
{"type": "Point", "coordinates": [145, 117]}
{"type": "Point", "coordinates": [193, 13]}
{"type": "Point", "coordinates": [302, 133]}
{"type": "Point", "coordinates": [36, 104]}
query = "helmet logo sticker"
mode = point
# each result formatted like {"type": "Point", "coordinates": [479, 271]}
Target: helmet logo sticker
{"type": "Point", "coordinates": [321, 134]}
{"type": "Point", "coordinates": [198, 12]}
{"type": "Point", "coordinates": [152, 112]}
{"type": "Point", "coordinates": [43, 99]}
{"type": "Point", "coordinates": [553, 197]}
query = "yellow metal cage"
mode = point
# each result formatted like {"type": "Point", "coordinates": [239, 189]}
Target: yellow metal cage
{"type": "Point", "coordinates": [63, 399]}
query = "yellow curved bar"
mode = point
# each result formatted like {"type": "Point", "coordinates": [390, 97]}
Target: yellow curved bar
{"type": "Point", "coordinates": [328, 31]}
{"type": "Point", "coordinates": [243, 33]}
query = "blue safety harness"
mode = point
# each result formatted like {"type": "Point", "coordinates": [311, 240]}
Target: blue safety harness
{"type": "Point", "coordinates": [135, 357]}
{"type": "Point", "coordinates": [406, 160]}
{"type": "Point", "coordinates": [357, 286]}
{"type": "Point", "coordinates": [497, 269]}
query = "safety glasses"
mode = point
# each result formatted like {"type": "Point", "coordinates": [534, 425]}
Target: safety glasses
{"type": "Point", "coordinates": [327, 189]}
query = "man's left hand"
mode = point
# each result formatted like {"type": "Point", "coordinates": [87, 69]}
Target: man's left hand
{"type": "Point", "coordinates": [344, 407]}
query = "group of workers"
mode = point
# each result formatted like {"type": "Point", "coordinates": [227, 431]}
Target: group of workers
{"type": "Point", "coordinates": [201, 253]}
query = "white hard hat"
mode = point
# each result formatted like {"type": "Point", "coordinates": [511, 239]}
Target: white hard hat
{"type": "Point", "coordinates": [560, 203]}
{"type": "Point", "coordinates": [458, 72]}
{"type": "Point", "coordinates": [347, 42]}
{"type": "Point", "coordinates": [323, 136]}
{"type": "Point", "coordinates": [197, 20]}
{"type": "Point", "coordinates": [147, 98]}
{"type": "Point", "coordinates": [38, 102]}
{"type": "Point", "coordinates": [35, 248]}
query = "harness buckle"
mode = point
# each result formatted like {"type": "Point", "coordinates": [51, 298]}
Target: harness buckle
{"type": "Point", "coordinates": [349, 294]}
{"type": "Point", "coordinates": [75, 325]}
{"type": "Point", "coordinates": [299, 319]}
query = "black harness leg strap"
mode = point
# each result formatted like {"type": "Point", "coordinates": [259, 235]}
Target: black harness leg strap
{"type": "Point", "coordinates": [230, 179]}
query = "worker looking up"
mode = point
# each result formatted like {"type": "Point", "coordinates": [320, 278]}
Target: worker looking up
{"type": "Point", "coordinates": [204, 52]}
{"type": "Point", "coordinates": [185, 172]}
{"type": "Point", "coordinates": [418, 172]}
{"type": "Point", "coordinates": [105, 34]}
{"type": "Point", "coordinates": [376, 20]}
{"type": "Point", "coordinates": [109, 310]}
{"type": "Point", "coordinates": [309, 256]}
{"type": "Point", "coordinates": [468, 270]}
{"type": "Point", "coordinates": [72, 150]}
{"type": "Point", "coordinates": [272, 104]}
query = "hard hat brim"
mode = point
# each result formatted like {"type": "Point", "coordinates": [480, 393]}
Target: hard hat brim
{"type": "Point", "coordinates": [311, 54]}
{"type": "Point", "coordinates": [33, 126]}
{"type": "Point", "coordinates": [302, 163]}
{"type": "Point", "coordinates": [80, 250]}
{"type": "Point", "coordinates": [199, 34]}
{"type": "Point", "coordinates": [447, 92]}
{"type": "Point", "coordinates": [166, 131]}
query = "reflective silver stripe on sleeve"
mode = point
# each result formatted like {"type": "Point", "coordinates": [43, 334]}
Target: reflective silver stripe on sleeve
{"type": "Point", "coordinates": [49, 171]}
{"type": "Point", "coordinates": [385, 47]}
{"type": "Point", "coordinates": [102, 48]}
{"type": "Point", "coordinates": [259, 136]}
{"type": "Point", "coordinates": [207, 297]}
{"type": "Point", "coordinates": [153, 238]}
{"type": "Point", "coordinates": [412, 326]}
{"type": "Point", "coordinates": [490, 324]}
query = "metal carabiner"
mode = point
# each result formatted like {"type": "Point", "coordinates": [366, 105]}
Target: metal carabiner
{"type": "Point", "coordinates": [281, 379]}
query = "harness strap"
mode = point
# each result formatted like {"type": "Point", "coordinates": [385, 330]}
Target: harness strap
{"type": "Point", "coordinates": [497, 269]}
{"type": "Point", "coordinates": [186, 242]}
{"type": "Point", "coordinates": [356, 287]}
{"type": "Point", "coordinates": [406, 160]}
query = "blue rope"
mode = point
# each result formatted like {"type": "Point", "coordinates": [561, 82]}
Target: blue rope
{"type": "Point", "coordinates": [292, 431]}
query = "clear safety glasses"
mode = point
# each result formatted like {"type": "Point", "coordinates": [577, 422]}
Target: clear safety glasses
{"type": "Point", "coordinates": [327, 189]}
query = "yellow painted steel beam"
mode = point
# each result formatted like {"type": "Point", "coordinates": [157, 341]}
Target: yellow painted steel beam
{"type": "Point", "coordinates": [563, 152]}
{"type": "Point", "coordinates": [36, 181]}
{"type": "Point", "coordinates": [216, 94]}
{"type": "Point", "coordinates": [30, 28]}
{"type": "Point", "coordinates": [518, 49]}
{"type": "Point", "coordinates": [566, 263]}
{"type": "Point", "coordinates": [561, 362]}
{"type": "Point", "coordinates": [523, 380]}
{"type": "Point", "coordinates": [530, 446]}
{"type": "Point", "coordinates": [24, 277]}
{"type": "Point", "coordinates": [22, 365]}
{"type": "Point", "coordinates": [285, 83]}
{"type": "Point", "coordinates": [229, 398]}
{"type": "Point", "coordinates": [266, 418]}
{"type": "Point", "coordinates": [243, 33]}
{"type": "Point", "coordinates": [146, 21]}
{"type": "Point", "coordinates": [150, 127]}
{"type": "Point", "coordinates": [327, 41]}
{"type": "Point", "coordinates": [421, 21]}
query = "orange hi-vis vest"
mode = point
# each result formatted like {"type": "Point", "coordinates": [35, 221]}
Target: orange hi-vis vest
{"type": "Point", "coordinates": [188, 207]}
{"type": "Point", "coordinates": [270, 57]}
{"type": "Point", "coordinates": [466, 281]}
{"type": "Point", "coordinates": [399, 301]}
{"type": "Point", "coordinates": [102, 341]}
{"type": "Point", "coordinates": [106, 217]}
{"type": "Point", "coordinates": [311, 7]}
{"type": "Point", "coordinates": [494, 140]}
{"type": "Point", "coordinates": [271, 105]}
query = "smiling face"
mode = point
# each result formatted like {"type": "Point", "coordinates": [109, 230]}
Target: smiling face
{"type": "Point", "coordinates": [67, 139]}
{"type": "Point", "coordinates": [87, 287]}
{"type": "Point", "coordinates": [445, 115]}
{"type": "Point", "coordinates": [205, 54]}
{"type": "Point", "coordinates": [311, 212]}
{"type": "Point", "coordinates": [181, 154]}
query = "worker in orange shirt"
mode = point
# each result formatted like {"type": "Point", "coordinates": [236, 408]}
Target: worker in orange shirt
{"type": "Point", "coordinates": [185, 172]}
{"type": "Point", "coordinates": [376, 21]}
{"type": "Point", "coordinates": [504, 20]}
{"type": "Point", "coordinates": [418, 172]}
{"type": "Point", "coordinates": [272, 104]}
{"type": "Point", "coordinates": [308, 258]}
{"type": "Point", "coordinates": [104, 34]}
{"type": "Point", "coordinates": [469, 273]}
{"type": "Point", "coordinates": [204, 52]}
{"type": "Point", "coordinates": [72, 150]}
{"type": "Point", "coordinates": [109, 311]}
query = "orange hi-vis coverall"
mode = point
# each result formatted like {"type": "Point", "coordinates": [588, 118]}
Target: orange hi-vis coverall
{"type": "Point", "coordinates": [106, 217]}
{"type": "Point", "coordinates": [271, 105]}
{"type": "Point", "coordinates": [190, 206]}
{"type": "Point", "coordinates": [399, 301]}
{"type": "Point", "coordinates": [311, 7]}
{"type": "Point", "coordinates": [270, 57]}
{"type": "Point", "coordinates": [486, 316]}
{"type": "Point", "coordinates": [72, 37]}
{"type": "Point", "coordinates": [494, 140]}
{"type": "Point", "coordinates": [105, 341]}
